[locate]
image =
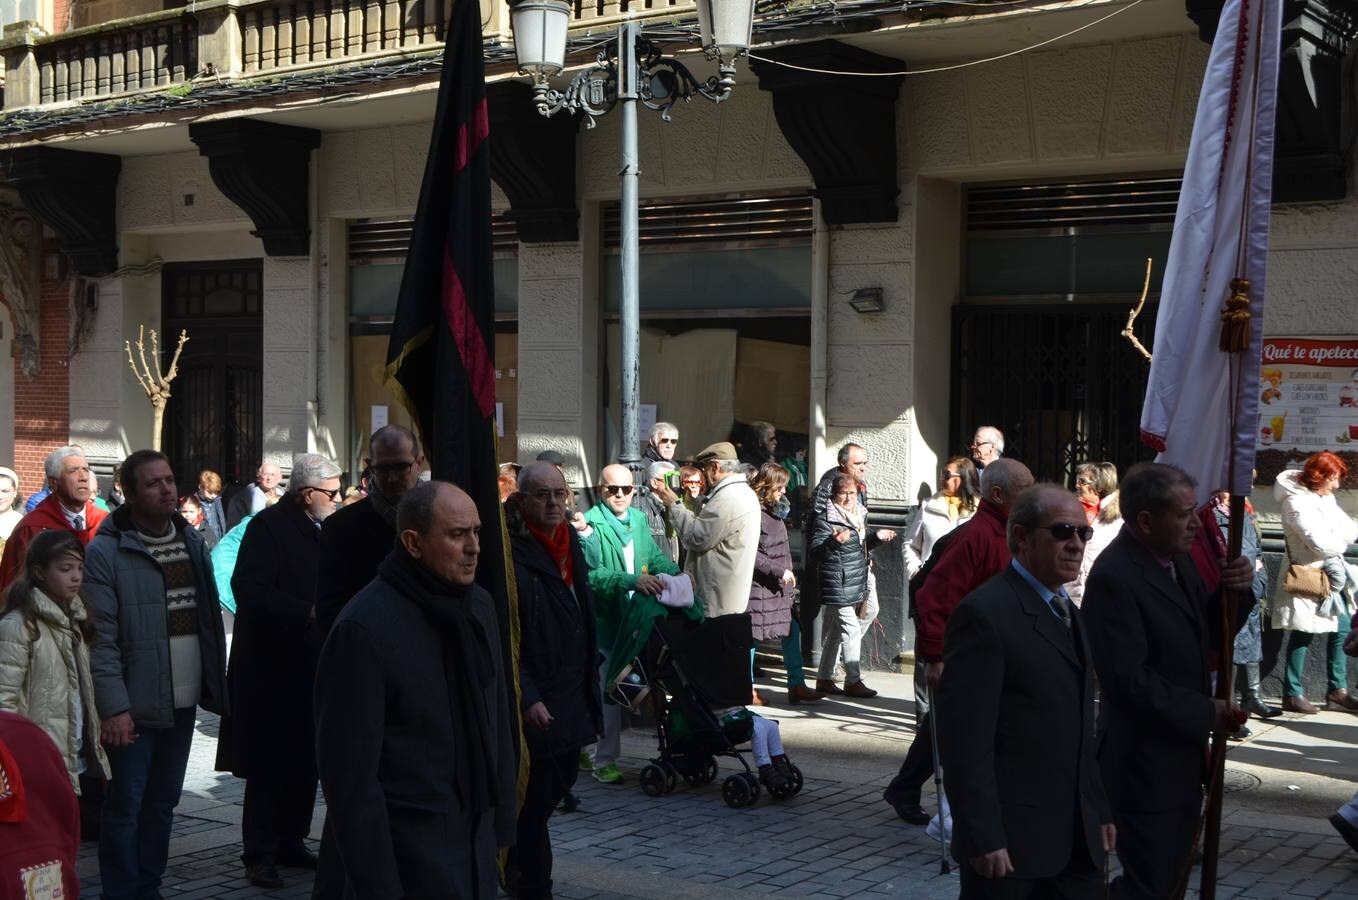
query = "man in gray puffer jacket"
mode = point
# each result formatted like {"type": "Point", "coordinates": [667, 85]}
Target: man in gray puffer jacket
{"type": "Point", "coordinates": [158, 654]}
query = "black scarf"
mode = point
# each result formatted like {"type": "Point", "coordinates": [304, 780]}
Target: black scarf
{"type": "Point", "coordinates": [384, 509]}
{"type": "Point", "coordinates": [467, 664]}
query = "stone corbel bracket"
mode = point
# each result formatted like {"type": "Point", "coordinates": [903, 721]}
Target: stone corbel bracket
{"type": "Point", "coordinates": [75, 194]}
{"type": "Point", "coordinates": [842, 127]}
{"type": "Point", "coordinates": [20, 280]}
{"type": "Point", "coordinates": [532, 159]}
{"type": "Point", "coordinates": [1310, 158]}
{"type": "Point", "coordinates": [264, 169]}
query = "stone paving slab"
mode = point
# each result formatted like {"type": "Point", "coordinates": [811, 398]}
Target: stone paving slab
{"type": "Point", "coordinates": [835, 839]}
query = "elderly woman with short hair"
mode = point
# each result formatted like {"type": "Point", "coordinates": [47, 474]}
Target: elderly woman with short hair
{"type": "Point", "coordinates": [1096, 484]}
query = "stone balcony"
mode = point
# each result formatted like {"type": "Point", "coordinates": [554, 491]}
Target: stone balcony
{"type": "Point", "coordinates": [232, 39]}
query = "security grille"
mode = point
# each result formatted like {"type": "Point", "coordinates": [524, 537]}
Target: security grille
{"type": "Point", "coordinates": [732, 221]}
{"type": "Point", "coordinates": [1079, 397]}
{"type": "Point", "coordinates": [1136, 202]}
{"type": "Point", "coordinates": [372, 240]}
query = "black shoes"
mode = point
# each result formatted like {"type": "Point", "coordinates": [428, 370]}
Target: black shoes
{"type": "Point", "coordinates": [1346, 831]}
{"type": "Point", "coordinates": [264, 874]}
{"type": "Point", "coordinates": [911, 813]}
{"type": "Point", "coordinates": [1255, 706]}
{"type": "Point", "coordinates": [301, 858]}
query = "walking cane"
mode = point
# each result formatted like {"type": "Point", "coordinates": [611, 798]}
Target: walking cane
{"type": "Point", "coordinates": [943, 867]}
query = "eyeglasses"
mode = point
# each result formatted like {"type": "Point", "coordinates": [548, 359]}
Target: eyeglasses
{"type": "Point", "coordinates": [693, 482]}
{"type": "Point", "coordinates": [947, 475]}
{"type": "Point", "coordinates": [614, 490]}
{"type": "Point", "coordinates": [976, 445]}
{"type": "Point", "coordinates": [1064, 531]}
{"type": "Point", "coordinates": [331, 495]}
{"type": "Point", "coordinates": [667, 440]}
{"type": "Point", "coordinates": [1083, 482]}
{"type": "Point", "coordinates": [392, 468]}
{"type": "Point", "coordinates": [560, 496]}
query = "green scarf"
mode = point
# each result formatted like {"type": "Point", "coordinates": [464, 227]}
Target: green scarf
{"type": "Point", "coordinates": [621, 527]}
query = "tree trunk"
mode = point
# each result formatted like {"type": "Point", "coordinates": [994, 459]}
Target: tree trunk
{"type": "Point", "coordinates": [157, 421]}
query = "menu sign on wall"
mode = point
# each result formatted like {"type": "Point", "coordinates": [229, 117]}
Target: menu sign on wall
{"type": "Point", "coordinates": [1308, 400]}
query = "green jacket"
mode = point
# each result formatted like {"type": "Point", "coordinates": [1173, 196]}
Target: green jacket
{"type": "Point", "coordinates": [609, 579]}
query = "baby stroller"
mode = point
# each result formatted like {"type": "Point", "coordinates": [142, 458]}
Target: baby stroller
{"type": "Point", "coordinates": [689, 669]}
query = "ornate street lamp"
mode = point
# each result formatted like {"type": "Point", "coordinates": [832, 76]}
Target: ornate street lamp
{"type": "Point", "coordinates": [628, 69]}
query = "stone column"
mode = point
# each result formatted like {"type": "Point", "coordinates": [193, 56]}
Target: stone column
{"type": "Point", "coordinates": [558, 351]}
{"type": "Point", "coordinates": [289, 342]}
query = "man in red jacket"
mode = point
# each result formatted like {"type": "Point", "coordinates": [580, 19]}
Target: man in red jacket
{"type": "Point", "coordinates": [978, 552]}
{"type": "Point", "coordinates": [39, 817]}
{"type": "Point", "coordinates": [68, 506]}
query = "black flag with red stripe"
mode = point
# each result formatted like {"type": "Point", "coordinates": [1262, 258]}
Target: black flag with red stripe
{"type": "Point", "coordinates": [441, 359]}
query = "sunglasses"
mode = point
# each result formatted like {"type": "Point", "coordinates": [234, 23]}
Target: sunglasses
{"type": "Point", "coordinates": [614, 490]}
{"type": "Point", "coordinates": [1064, 531]}
{"type": "Point", "coordinates": [667, 441]}
{"type": "Point", "coordinates": [329, 494]}
{"type": "Point", "coordinates": [947, 475]}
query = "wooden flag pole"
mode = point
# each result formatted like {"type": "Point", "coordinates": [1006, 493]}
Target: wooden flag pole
{"type": "Point", "coordinates": [1211, 850]}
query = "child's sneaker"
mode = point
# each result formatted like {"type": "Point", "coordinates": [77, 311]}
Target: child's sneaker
{"type": "Point", "coordinates": [609, 774]}
{"type": "Point", "coordinates": [586, 761]}
{"type": "Point", "coordinates": [773, 779]}
{"type": "Point", "coordinates": [781, 763]}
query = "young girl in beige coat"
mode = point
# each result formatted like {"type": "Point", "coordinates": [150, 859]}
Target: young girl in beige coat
{"type": "Point", "coordinates": [44, 653]}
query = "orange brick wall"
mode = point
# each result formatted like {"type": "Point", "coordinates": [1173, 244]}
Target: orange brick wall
{"type": "Point", "coordinates": [42, 408]}
{"type": "Point", "coordinates": [61, 14]}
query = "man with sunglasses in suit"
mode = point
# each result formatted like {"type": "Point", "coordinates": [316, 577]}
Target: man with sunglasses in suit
{"type": "Point", "coordinates": [1016, 718]}
{"type": "Point", "coordinates": [623, 560]}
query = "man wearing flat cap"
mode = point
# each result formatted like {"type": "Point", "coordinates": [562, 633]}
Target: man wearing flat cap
{"type": "Point", "coordinates": [722, 537]}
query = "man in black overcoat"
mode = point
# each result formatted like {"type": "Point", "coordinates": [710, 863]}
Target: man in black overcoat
{"type": "Point", "coordinates": [1153, 627]}
{"type": "Point", "coordinates": [354, 541]}
{"type": "Point", "coordinates": [413, 716]}
{"type": "Point", "coordinates": [1015, 718]}
{"type": "Point", "coordinates": [558, 663]}
{"type": "Point", "coordinates": [269, 738]}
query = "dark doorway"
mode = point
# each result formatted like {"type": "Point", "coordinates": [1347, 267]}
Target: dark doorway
{"type": "Point", "coordinates": [1060, 381]}
{"type": "Point", "coordinates": [215, 418]}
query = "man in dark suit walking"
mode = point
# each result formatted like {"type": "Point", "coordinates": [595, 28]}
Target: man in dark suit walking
{"type": "Point", "coordinates": [1015, 718]}
{"type": "Point", "coordinates": [354, 542]}
{"type": "Point", "coordinates": [1152, 625]}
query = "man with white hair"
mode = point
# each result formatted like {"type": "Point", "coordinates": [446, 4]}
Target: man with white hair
{"type": "Point", "coordinates": [721, 538]}
{"type": "Point", "coordinates": [654, 510]}
{"type": "Point", "coordinates": [662, 443]}
{"type": "Point", "coordinates": [987, 445]}
{"type": "Point", "coordinates": [255, 496]}
{"type": "Point", "coordinates": [269, 738]}
{"type": "Point", "coordinates": [69, 505]}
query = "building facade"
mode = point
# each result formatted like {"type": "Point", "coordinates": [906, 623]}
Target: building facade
{"type": "Point", "coordinates": [246, 172]}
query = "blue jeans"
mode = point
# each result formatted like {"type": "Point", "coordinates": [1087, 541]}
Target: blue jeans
{"type": "Point", "coordinates": [134, 839]}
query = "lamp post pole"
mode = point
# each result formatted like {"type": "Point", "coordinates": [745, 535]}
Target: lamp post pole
{"type": "Point", "coordinates": [630, 312]}
{"type": "Point", "coordinates": [629, 71]}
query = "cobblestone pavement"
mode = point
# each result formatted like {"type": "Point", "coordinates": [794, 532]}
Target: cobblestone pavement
{"type": "Point", "coordinates": [835, 839]}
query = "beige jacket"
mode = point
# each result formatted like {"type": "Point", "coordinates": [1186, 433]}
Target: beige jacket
{"type": "Point", "coordinates": [41, 680]}
{"type": "Point", "coordinates": [721, 539]}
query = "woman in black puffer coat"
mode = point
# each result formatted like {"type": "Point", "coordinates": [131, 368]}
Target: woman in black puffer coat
{"type": "Point", "coordinates": [773, 593]}
{"type": "Point", "coordinates": [840, 541]}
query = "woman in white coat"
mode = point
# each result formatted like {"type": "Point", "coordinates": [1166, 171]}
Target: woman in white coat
{"type": "Point", "coordinates": [959, 491]}
{"type": "Point", "coordinates": [1316, 532]}
{"type": "Point", "coordinates": [1096, 486]}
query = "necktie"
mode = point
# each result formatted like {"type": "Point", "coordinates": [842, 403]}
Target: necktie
{"type": "Point", "coordinates": [1062, 607]}
{"type": "Point", "coordinates": [80, 523]}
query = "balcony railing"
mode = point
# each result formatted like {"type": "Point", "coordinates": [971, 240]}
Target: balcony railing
{"type": "Point", "coordinates": [242, 38]}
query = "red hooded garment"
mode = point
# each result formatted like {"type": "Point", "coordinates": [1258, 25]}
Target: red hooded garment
{"type": "Point", "coordinates": [45, 515]}
{"type": "Point", "coordinates": [39, 815]}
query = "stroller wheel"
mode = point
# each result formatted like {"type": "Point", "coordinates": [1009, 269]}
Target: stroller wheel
{"type": "Point", "coordinates": [797, 781]}
{"type": "Point", "coordinates": [710, 770]}
{"type": "Point", "coordinates": [705, 774]}
{"type": "Point", "coordinates": [735, 790]}
{"type": "Point", "coordinates": [753, 781]}
{"type": "Point", "coordinates": [653, 780]}
{"type": "Point", "coordinates": [671, 776]}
